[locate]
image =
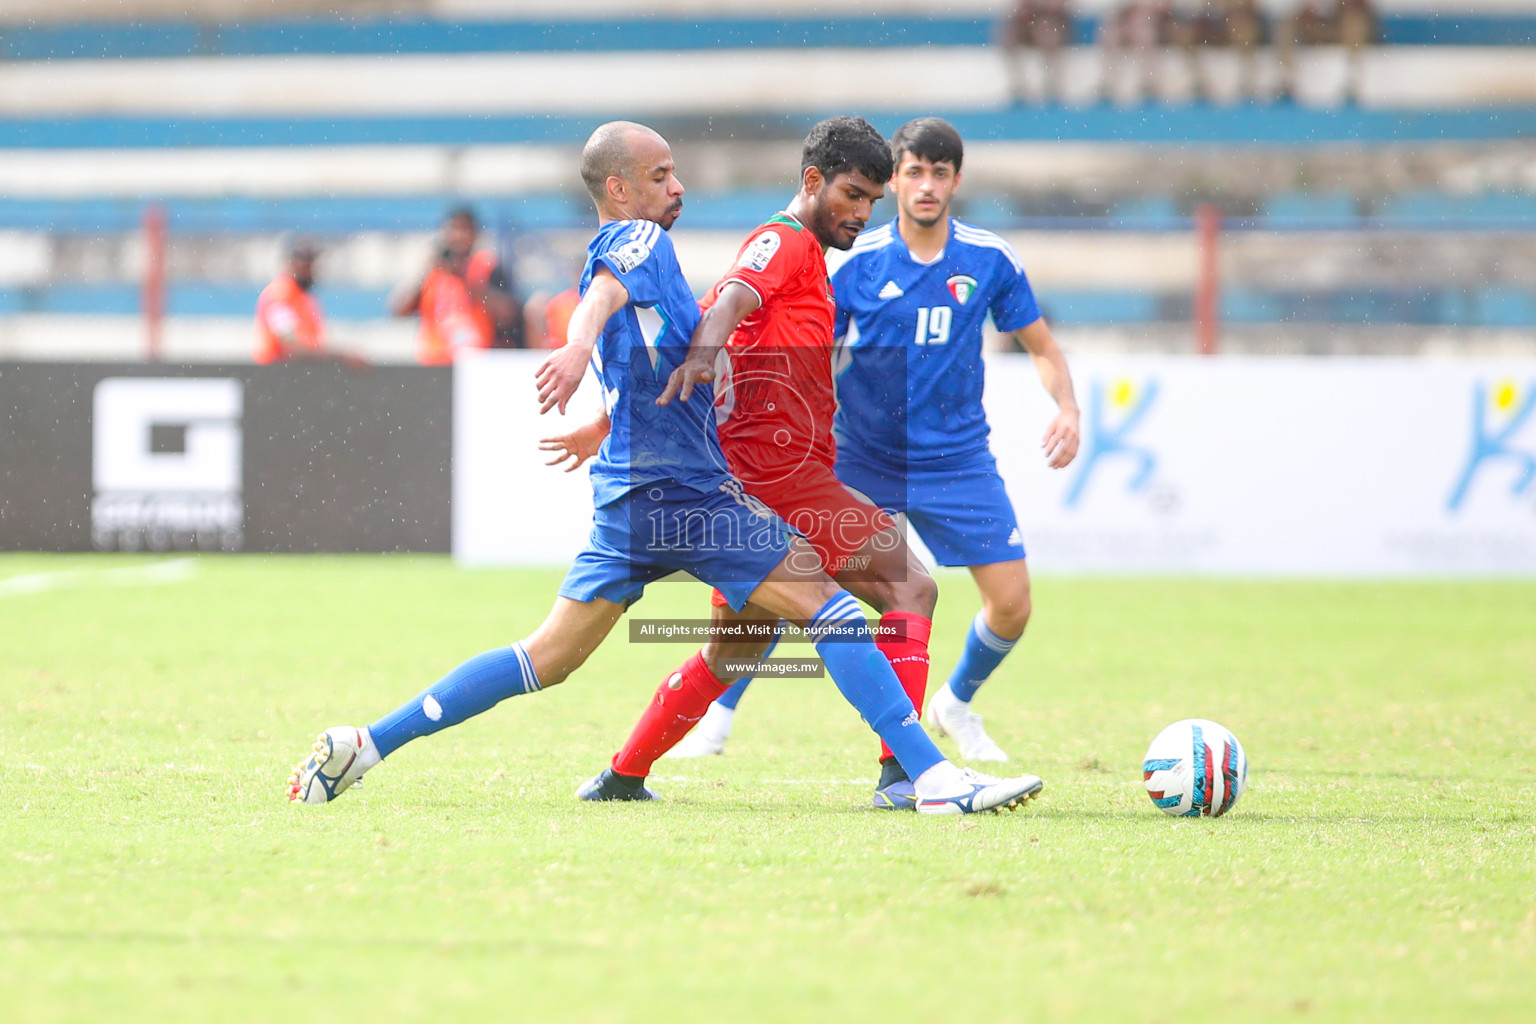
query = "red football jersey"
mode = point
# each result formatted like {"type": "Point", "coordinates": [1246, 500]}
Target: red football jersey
{"type": "Point", "coordinates": [776, 405]}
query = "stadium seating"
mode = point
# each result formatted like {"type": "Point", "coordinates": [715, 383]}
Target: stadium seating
{"type": "Point", "coordinates": [399, 115]}
{"type": "Point", "coordinates": [617, 27]}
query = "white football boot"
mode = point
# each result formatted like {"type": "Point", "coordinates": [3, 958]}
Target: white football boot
{"type": "Point", "coordinates": [975, 792]}
{"type": "Point", "coordinates": [953, 717]}
{"type": "Point", "coordinates": [340, 756]}
{"type": "Point", "coordinates": [708, 737]}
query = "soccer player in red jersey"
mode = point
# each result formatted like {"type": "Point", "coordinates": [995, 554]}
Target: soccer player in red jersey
{"type": "Point", "coordinates": [773, 315]}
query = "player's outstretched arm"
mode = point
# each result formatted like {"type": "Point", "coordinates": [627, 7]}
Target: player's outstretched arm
{"type": "Point", "coordinates": [1062, 436]}
{"type": "Point", "coordinates": [735, 303]}
{"type": "Point", "coordinates": [580, 444]}
{"type": "Point", "coordinates": [560, 375]}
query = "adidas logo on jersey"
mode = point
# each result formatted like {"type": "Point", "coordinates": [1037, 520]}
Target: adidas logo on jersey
{"type": "Point", "coordinates": [890, 291]}
{"type": "Point", "coordinates": [1014, 540]}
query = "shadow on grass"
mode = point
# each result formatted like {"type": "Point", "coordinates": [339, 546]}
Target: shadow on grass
{"type": "Point", "coordinates": [1044, 810]}
{"type": "Point", "coordinates": [1266, 817]}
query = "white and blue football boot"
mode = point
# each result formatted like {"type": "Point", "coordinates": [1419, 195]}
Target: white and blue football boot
{"type": "Point", "coordinates": [976, 792]}
{"type": "Point", "coordinates": [334, 766]}
{"type": "Point", "coordinates": [948, 715]}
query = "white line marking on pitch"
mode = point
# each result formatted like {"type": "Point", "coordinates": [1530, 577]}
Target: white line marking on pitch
{"type": "Point", "coordinates": [177, 570]}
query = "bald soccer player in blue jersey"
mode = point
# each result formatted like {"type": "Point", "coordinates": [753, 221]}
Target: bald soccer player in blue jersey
{"type": "Point", "coordinates": [912, 301]}
{"type": "Point", "coordinates": [663, 503]}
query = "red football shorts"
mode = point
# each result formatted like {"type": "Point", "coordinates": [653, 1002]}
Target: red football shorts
{"type": "Point", "coordinates": [835, 521]}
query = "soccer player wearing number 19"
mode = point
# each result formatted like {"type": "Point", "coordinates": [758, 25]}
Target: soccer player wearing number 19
{"type": "Point", "coordinates": [912, 300]}
{"type": "Point", "coordinates": [660, 464]}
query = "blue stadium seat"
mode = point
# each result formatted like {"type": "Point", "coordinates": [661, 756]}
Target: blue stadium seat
{"type": "Point", "coordinates": [1100, 307]}
{"type": "Point", "coordinates": [1277, 124]}
{"type": "Point", "coordinates": [1311, 209]}
{"type": "Point", "coordinates": [1503, 307]}
{"type": "Point", "coordinates": [741, 210]}
{"type": "Point", "coordinates": [1488, 210]}
{"type": "Point", "coordinates": [195, 298]}
{"type": "Point", "coordinates": [418, 35]}
{"type": "Point", "coordinates": [990, 210]}
{"type": "Point", "coordinates": [1149, 213]}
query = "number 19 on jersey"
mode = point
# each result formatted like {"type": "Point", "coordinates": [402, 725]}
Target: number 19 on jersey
{"type": "Point", "coordinates": [933, 324]}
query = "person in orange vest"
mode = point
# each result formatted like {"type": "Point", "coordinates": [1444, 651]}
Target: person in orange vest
{"type": "Point", "coordinates": [289, 323]}
{"type": "Point", "coordinates": [547, 317]}
{"type": "Point", "coordinates": [557, 316]}
{"type": "Point", "coordinates": [464, 299]}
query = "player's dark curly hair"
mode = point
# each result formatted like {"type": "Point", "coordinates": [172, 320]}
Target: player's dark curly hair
{"type": "Point", "coordinates": [928, 138]}
{"type": "Point", "coordinates": [842, 144]}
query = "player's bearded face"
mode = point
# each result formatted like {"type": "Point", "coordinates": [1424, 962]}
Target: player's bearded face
{"type": "Point", "coordinates": [924, 189]}
{"type": "Point", "coordinates": [658, 194]}
{"type": "Point", "coordinates": [843, 206]}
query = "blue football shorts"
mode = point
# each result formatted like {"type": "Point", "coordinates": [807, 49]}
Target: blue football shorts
{"type": "Point", "coordinates": [961, 511]}
{"type": "Point", "coordinates": [725, 538]}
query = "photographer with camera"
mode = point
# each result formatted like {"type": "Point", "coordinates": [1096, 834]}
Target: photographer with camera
{"type": "Point", "coordinates": [464, 299]}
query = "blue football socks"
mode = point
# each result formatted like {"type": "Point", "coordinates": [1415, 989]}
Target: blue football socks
{"type": "Point", "coordinates": [867, 680]}
{"type": "Point", "coordinates": [477, 685]}
{"type": "Point", "coordinates": [730, 698]}
{"type": "Point", "coordinates": [984, 651]}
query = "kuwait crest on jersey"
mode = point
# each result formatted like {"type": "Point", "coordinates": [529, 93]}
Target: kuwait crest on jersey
{"type": "Point", "coordinates": [962, 287]}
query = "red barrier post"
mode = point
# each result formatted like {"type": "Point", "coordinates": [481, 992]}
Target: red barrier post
{"type": "Point", "coordinates": [1207, 283]}
{"type": "Point", "coordinates": [152, 299]}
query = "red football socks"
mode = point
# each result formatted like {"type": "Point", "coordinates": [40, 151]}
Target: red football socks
{"type": "Point", "coordinates": [903, 639]}
{"type": "Point", "coordinates": [679, 703]}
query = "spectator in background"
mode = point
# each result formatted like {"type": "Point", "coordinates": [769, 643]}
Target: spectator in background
{"type": "Point", "coordinates": [1236, 25]}
{"type": "Point", "coordinates": [1350, 24]}
{"type": "Point", "coordinates": [1037, 29]}
{"type": "Point", "coordinates": [464, 299]}
{"type": "Point", "coordinates": [289, 324]}
{"type": "Point", "coordinates": [1359, 28]}
{"type": "Point", "coordinates": [1130, 38]}
{"type": "Point", "coordinates": [548, 316]}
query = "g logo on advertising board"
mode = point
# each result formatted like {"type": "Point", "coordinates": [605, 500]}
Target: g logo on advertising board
{"type": "Point", "coordinates": [1114, 414]}
{"type": "Point", "coordinates": [166, 464]}
{"type": "Point", "coordinates": [1499, 415]}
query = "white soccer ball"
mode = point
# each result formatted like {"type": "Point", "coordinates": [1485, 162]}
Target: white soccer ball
{"type": "Point", "coordinates": [1195, 767]}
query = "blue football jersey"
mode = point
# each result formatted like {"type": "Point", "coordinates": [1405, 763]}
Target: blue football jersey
{"type": "Point", "coordinates": [909, 391]}
{"type": "Point", "coordinates": [637, 351]}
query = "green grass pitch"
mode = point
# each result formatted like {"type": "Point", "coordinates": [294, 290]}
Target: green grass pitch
{"type": "Point", "coordinates": [1380, 867]}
